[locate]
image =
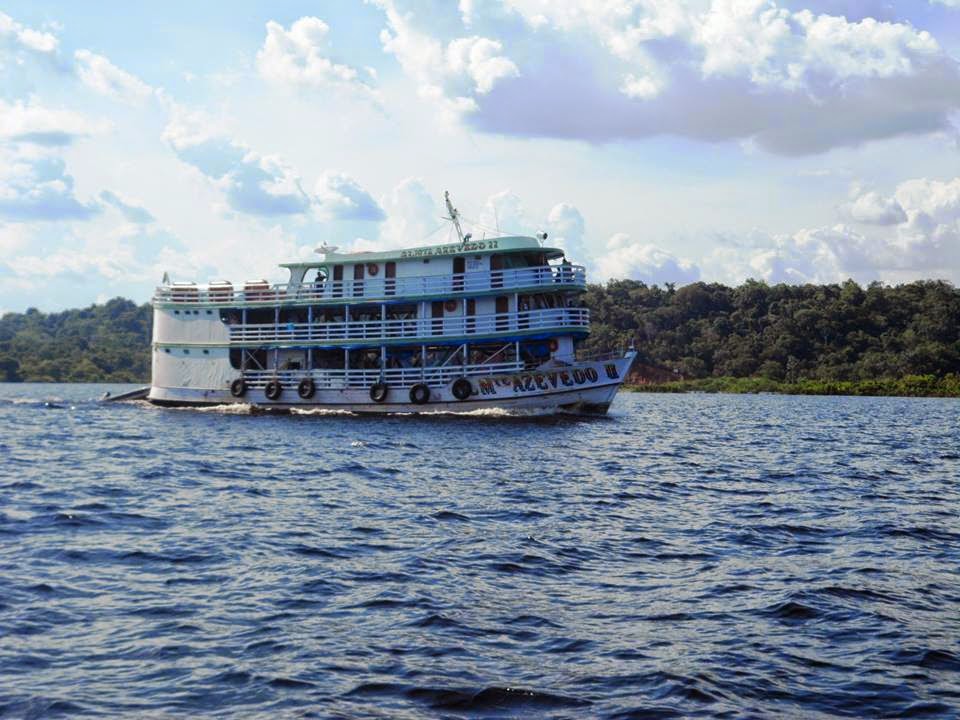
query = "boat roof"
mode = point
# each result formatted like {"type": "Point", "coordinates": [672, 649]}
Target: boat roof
{"type": "Point", "coordinates": [485, 246]}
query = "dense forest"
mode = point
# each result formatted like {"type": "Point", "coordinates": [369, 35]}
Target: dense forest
{"type": "Point", "coordinates": [786, 333]}
{"type": "Point", "coordinates": [101, 343]}
{"type": "Point", "coordinates": [783, 332]}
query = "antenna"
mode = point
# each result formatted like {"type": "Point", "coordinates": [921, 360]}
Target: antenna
{"type": "Point", "coordinates": [454, 215]}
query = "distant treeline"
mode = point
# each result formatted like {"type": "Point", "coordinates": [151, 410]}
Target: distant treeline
{"type": "Point", "coordinates": [101, 343]}
{"type": "Point", "coordinates": [784, 333]}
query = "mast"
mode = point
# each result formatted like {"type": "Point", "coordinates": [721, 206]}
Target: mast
{"type": "Point", "coordinates": [454, 216]}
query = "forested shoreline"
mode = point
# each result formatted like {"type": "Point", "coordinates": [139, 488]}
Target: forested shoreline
{"type": "Point", "coordinates": [841, 338]}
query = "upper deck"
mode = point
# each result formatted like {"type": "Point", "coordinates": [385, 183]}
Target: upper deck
{"type": "Point", "coordinates": [473, 268]}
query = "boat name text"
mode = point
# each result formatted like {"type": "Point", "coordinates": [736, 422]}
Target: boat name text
{"type": "Point", "coordinates": [439, 250]}
{"type": "Point", "coordinates": [544, 381]}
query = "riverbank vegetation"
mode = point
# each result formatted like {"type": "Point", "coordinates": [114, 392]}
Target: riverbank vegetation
{"type": "Point", "coordinates": [788, 334]}
{"type": "Point", "coordinates": [100, 343]}
{"type": "Point", "coordinates": [822, 339]}
{"type": "Point", "coordinates": [909, 386]}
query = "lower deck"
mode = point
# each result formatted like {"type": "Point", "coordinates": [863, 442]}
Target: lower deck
{"type": "Point", "coordinates": [582, 386]}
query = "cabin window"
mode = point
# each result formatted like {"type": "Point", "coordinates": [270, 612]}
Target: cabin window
{"type": "Point", "coordinates": [327, 359]}
{"type": "Point", "coordinates": [338, 280]}
{"type": "Point", "coordinates": [502, 318]}
{"type": "Point", "coordinates": [390, 278]}
{"type": "Point", "coordinates": [293, 315]}
{"type": "Point", "coordinates": [236, 357]}
{"type": "Point", "coordinates": [231, 317]}
{"type": "Point", "coordinates": [260, 316]}
{"type": "Point", "coordinates": [459, 267]}
{"type": "Point", "coordinates": [358, 280]}
{"type": "Point", "coordinates": [496, 271]}
{"type": "Point", "coordinates": [470, 324]}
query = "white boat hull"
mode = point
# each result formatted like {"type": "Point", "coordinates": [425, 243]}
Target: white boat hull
{"type": "Point", "coordinates": [582, 388]}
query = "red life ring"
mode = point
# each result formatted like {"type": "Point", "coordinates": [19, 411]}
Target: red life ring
{"type": "Point", "coordinates": [372, 269]}
{"type": "Point", "coordinates": [450, 305]}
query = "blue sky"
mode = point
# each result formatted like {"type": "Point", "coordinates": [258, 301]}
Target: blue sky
{"type": "Point", "coordinates": [785, 140]}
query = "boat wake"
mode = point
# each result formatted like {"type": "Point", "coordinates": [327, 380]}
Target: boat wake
{"type": "Point", "coordinates": [224, 409]}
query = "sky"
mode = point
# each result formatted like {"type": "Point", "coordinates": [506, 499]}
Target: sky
{"type": "Point", "coordinates": [659, 140]}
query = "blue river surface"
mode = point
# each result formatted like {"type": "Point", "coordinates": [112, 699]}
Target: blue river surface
{"type": "Point", "coordinates": [685, 556]}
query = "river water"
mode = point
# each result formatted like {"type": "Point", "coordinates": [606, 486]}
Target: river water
{"type": "Point", "coordinates": [687, 556]}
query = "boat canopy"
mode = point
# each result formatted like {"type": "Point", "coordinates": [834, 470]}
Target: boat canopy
{"type": "Point", "coordinates": [485, 246]}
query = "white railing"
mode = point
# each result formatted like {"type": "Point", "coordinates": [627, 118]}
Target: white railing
{"type": "Point", "coordinates": [461, 326]}
{"type": "Point", "coordinates": [395, 377]}
{"type": "Point", "coordinates": [377, 288]}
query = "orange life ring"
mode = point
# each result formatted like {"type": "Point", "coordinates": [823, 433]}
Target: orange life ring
{"type": "Point", "coordinates": [450, 305]}
{"type": "Point", "coordinates": [372, 269]}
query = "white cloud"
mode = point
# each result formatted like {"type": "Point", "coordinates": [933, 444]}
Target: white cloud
{"type": "Point", "coordinates": [503, 214]}
{"type": "Point", "coordinates": [624, 258]}
{"type": "Point", "coordinates": [567, 230]}
{"type": "Point", "coordinates": [413, 217]}
{"type": "Point", "coordinates": [480, 60]}
{"type": "Point", "coordinates": [873, 209]}
{"type": "Point", "coordinates": [774, 46]}
{"type": "Point", "coordinates": [251, 183]}
{"type": "Point", "coordinates": [262, 185]}
{"type": "Point", "coordinates": [340, 197]}
{"type": "Point", "coordinates": [103, 77]}
{"type": "Point", "coordinates": [454, 75]}
{"type": "Point", "coordinates": [21, 37]}
{"type": "Point", "coordinates": [33, 123]}
{"type": "Point", "coordinates": [792, 82]}
{"type": "Point", "coordinates": [131, 212]}
{"type": "Point", "coordinates": [913, 234]}
{"type": "Point", "coordinates": [13, 239]}
{"type": "Point", "coordinates": [298, 57]}
{"type": "Point", "coordinates": [34, 186]}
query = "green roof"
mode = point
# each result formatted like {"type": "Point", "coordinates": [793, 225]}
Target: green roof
{"type": "Point", "coordinates": [485, 246]}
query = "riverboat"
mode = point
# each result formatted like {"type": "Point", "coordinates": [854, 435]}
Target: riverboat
{"type": "Point", "coordinates": [472, 324]}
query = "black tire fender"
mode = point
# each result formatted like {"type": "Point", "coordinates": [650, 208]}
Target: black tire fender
{"type": "Point", "coordinates": [307, 388]}
{"type": "Point", "coordinates": [461, 389]}
{"type": "Point", "coordinates": [273, 390]}
{"type": "Point", "coordinates": [378, 392]}
{"type": "Point", "coordinates": [420, 394]}
{"type": "Point", "coordinates": [238, 388]}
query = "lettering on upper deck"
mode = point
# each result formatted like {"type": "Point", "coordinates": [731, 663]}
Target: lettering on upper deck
{"type": "Point", "coordinates": [440, 250]}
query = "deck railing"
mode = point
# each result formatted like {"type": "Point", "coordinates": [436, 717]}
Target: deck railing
{"type": "Point", "coordinates": [416, 328]}
{"type": "Point", "coordinates": [395, 377]}
{"type": "Point", "coordinates": [377, 288]}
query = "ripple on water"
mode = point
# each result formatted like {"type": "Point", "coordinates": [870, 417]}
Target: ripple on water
{"type": "Point", "coordinates": [687, 556]}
